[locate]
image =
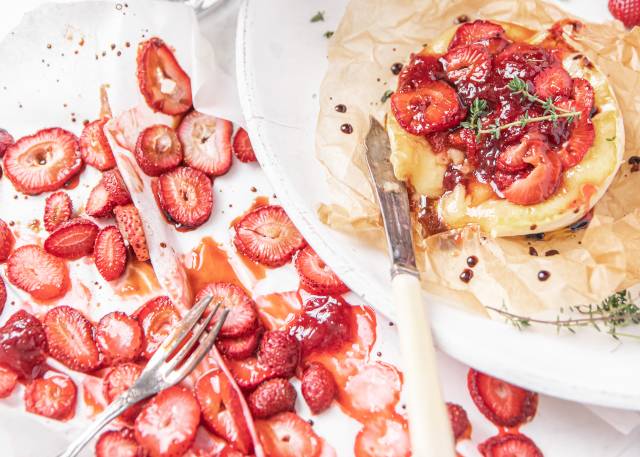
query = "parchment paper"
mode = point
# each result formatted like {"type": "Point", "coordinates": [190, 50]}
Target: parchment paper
{"type": "Point", "coordinates": [591, 264]}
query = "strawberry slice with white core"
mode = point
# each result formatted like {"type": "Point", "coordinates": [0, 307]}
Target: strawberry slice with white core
{"type": "Point", "coordinates": [243, 315]}
{"type": "Point", "coordinates": [266, 235]}
{"type": "Point", "coordinates": [382, 437]}
{"type": "Point", "coordinates": [119, 338]}
{"type": "Point", "coordinates": [157, 317]}
{"type": "Point", "coordinates": [206, 141]}
{"type": "Point", "coordinates": [44, 161]}
{"type": "Point", "coordinates": [468, 63]}
{"type": "Point", "coordinates": [486, 33]}
{"type": "Point", "coordinates": [57, 210]}
{"type": "Point", "coordinates": [118, 443]}
{"type": "Point", "coordinates": [73, 239]}
{"type": "Point", "coordinates": [8, 381]}
{"type": "Point", "coordinates": [37, 272]}
{"type": "Point", "coordinates": [250, 372]}
{"type": "Point", "coordinates": [242, 146]}
{"type": "Point", "coordinates": [130, 225]}
{"type": "Point", "coordinates": [158, 150]}
{"type": "Point", "coordinates": [94, 146]}
{"type": "Point", "coordinates": [186, 195]}
{"type": "Point", "coordinates": [509, 445]}
{"type": "Point", "coordinates": [53, 396]}
{"type": "Point", "coordinates": [163, 83]}
{"type": "Point", "coordinates": [316, 276]}
{"type": "Point", "coordinates": [288, 435]}
{"type": "Point", "coordinates": [118, 380]}
{"type": "Point", "coordinates": [553, 82]}
{"type": "Point", "coordinates": [580, 140]}
{"type": "Point", "coordinates": [240, 347]}
{"type": "Point", "coordinates": [6, 241]}
{"type": "Point", "coordinates": [99, 203]}
{"type": "Point", "coordinates": [110, 253]}
{"type": "Point", "coordinates": [6, 140]}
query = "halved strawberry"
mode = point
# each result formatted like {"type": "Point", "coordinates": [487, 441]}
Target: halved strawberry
{"type": "Point", "coordinates": [167, 425]}
{"type": "Point", "coordinates": [8, 381]}
{"type": "Point", "coordinates": [242, 317]}
{"type": "Point", "coordinates": [206, 141]}
{"type": "Point", "coordinates": [509, 445]}
{"type": "Point", "coordinates": [422, 68]}
{"type": "Point", "coordinates": [272, 397]}
{"type": "Point", "coordinates": [163, 83]}
{"type": "Point", "coordinates": [119, 338]}
{"type": "Point", "coordinates": [37, 272]}
{"type": "Point", "coordinates": [158, 150]}
{"type": "Point", "coordinates": [467, 63]}
{"type": "Point", "coordinates": [57, 210]}
{"type": "Point", "coordinates": [6, 140]}
{"type": "Point", "coordinates": [130, 226]}
{"type": "Point", "coordinates": [279, 351]}
{"type": "Point", "coordinates": [266, 235]}
{"type": "Point", "coordinates": [110, 253]}
{"type": "Point", "coordinates": [584, 97]}
{"type": "Point", "coordinates": [186, 195]}
{"type": "Point", "coordinates": [53, 396]}
{"type": "Point", "coordinates": [44, 161]}
{"type": "Point", "coordinates": [23, 345]}
{"type": "Point", "coordinates": [240, 347]}
{"type": "Point", "coordinates": [70, 339]}
{"type": "Point", "coordinates": [157, 317]}
{"type": "Point", "coordinates": [3, 295]}
{"type": "Point", "coordinates": [288, 435]}
{"type": "Point", "coordinates": [99, 203]}
{"type": "Point", "coordinates": [249, 373]}
{"type": "Point", "coordinates": [553, 82]}
{"type": "Point", "coordinates": [6, 241]}
{"type": "Point", "coordinates": [433, 107]}
{"type": "Point", "coordinates": [459, 421]}
{"type": "Point", "coordinates": [118, 443]}
{"type": "Point", "coordinates": [118, 380]}
{"type": "Point", "coordinates": [318, 387]}
{"type": "Point", "coordinates": [242, 146]}
{"type": "Point", "coordinates": [502, 403]}
{"type": "Point", "coordinates": [94, 146]}
{"type": "Point", "coordinates": [118, 192]}
{"type": "Point", "coordinates": [316, 276]}
{"type": "Point", "coordinates": [580, 140]}
{"type": "Point", "coordinates": [483, 32]}
{"type": "Point", "coordinates": [73, 239]}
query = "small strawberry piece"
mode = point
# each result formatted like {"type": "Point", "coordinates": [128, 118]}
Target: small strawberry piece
{"type": "Point", "coordinates": [118, 192]}
{"type": "Point", "coordinates": [157, 317]}
{"type": "Point", "coordinates": [43, 162]}
{"type": "Point", "coordinates": [167, 425]}
{"type": "Point", "coordinates": [163, 83]}
{"type": "Point", "coordinates": [383, 437]}
{"type": "Point", "coordinates": [583, 97]}
{"type": "Point", "coordinates": [57, 210]}
{"type": "Point", "coordinates": [240, 347]}
{"type": "Point", "coordinates": [3, 294]}
{"type": "Point", "coordinates": [580, 140]}
{"type": "Point", "coordinates": [6, 241]}
{"type": "Point", "coordinates": [459, 421]}
{"type": "Point", "coordinates": [186, 195]}
{"type": "Point", "coordinates": [70, 339]}
{"type": "Point", "coordinates": [53, 396]}
{"type": "Point", "coordinates": [110, 253]}
{"type": "Point", "coordinates": [158, 150]}
{"type": "Point", "coordinates": [422, 68]}
{"type": "Point", "coordinates": [279, 351]}
{"type": "Point", "coordinates": [288, 435]}
{"type": "Point", "coordinates": [99, 203]}
{"type": "Point", "coordinates": [118, 443]}
{"type": "Point", "coordinates": [250, 373]}
{"type": "Point", "coordinates": [207, 143]}
{"type": "Point", "coordinates": [73, 239]}
{"type": "Point", "coordinates": [433, 107]}
{"type": "Point", "coordinates": [94, 146]}
{"type": "Point", "coordinates": [130, 225]}
{"type": "Point", "coordinates": [6, 140]}
{"type": "Point", "coordinates": [509, 445]}
{"type": "Point", "coordinates": [272, 397]}
{"type": "Point", "coordinates": [438, 141]}
{"type": "Point", "coordinates": [482, 32]}
{"type": "Point", "coordinates": [316, 276]}
{"type": "Point", "coordinates": [242, 146]}
{"type": "Point", "coordinates": [119, 338]}
{"type": "Point", "coordinates": [318, 387]}
{"type": "Point", "coordinates": [627, 11]}
{"type": "Point", "coordinates": [553, 82]}
{"type": "Point", "coordinates": [23, 345]}
{"type": "Point", "coordinates": [467, 63]}
{"type": "Point", "coordinates": [502, 403]}
{"type": "Point", "coordinates": [266, 235]}
{"type": "Point", "coordinates": [117, 381]}
{"type": "Point", "coordinates": [243, 316]}
{"type": "Point", "coordinates": [522, 60]}
{"type": "Point", "coordinates": [37, 272]}
{"type": "Point", "coordinates": [8, 381]}
{"type": "Point", "coordinates": [207, 444]}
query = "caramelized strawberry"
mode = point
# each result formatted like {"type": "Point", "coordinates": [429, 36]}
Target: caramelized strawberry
{"type": "Point", "coordinates": [422, 69]}
{"type": "Point", "coordinates": [70, 339]}
{"type": "Point", "coordinates": [94, 146]}
{"type": "Point", "coordinates": [272, 397]}
{"type": "Point", "coordinates": [288, 435]}
{"type": "Point", "coordinates": [186, 195]}
{"type": "Point", "coordinates": [509, 445]}
{"type": "Point", "coordinates": [242, 146]}
{"type": "Point", "coordinates": [23, 345]}
{"type": "Point", "coordinates": [157, 317]}
{"type": "Point", "coordinates": [57, 210]}
{"type": "Point", "coordinates": [249, 373]}
{"type": "Point", "coordinates": [163, 83]}
{"type": "Point", "coordinates": [118, 443]}
{"type": "Point", "coordinates": [240, 347]}
{"type": "Point", "coordinates": [468, 63]}
{"type": "Point", "coordinates": [279, 351]}
{"type": "Point", "coordinates": [99, 203]}
{"type": "Point", "coordinates": [43, 162]}
{"type": "Point", "coordinates": [6, 140]}
{"type": "Point", "coordinates": [37, 272]}
{"type": "Point", "coordinates": [158, 150]}
{"type": "Point", "coordinates": [115, 186]}
{"type": "Point", "coordinates": [553, 82]}
{"type": "Point", "coordinates": [316, 276]}
{"type": "Point", "coordinates": [130, 226]}
{"type": "Point", "coordinates": [53, 396]}
{"type": "Point", "coordinates": [243, 316]}
{"type": "Point", "coordinates": [206, 141]}
{"type": "Point", "coordinates": [6, 241]}
{"type": "Point", "coordinates": [584, 97]}
{"type": "Point", "coordinates": [486, 33]}
{"type": "Point", "coordinates": [118, 380]}
{"type": "Point", "coordinates": [73, 239]}
{"type": "Point", "coordinates": [318, 387]}
{"type": "Point", "coordinates": [522, 60]}
{"type": "Point", "coordinates": [459, 421]}
{"type": "Point", "coordinates": [8, 381]}
{"type": "Point", "coordinates": [110, 253]}
{"type": "Point", "coordinates": [119, 338]}
{"type": "Point", "coordinates": [580, 140]}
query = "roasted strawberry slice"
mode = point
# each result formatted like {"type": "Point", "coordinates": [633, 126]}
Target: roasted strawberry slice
{"type": "Point", "coordinates": [522, 60]}
{"type": "Point", "coordinates": [8, 381]}
{"type": "Point", "coordinates": [553, 82]}
{"type": "Point", "coordinates": [186, 195]}
{"type": "Point", "coordinates": [468, 63]}
{"type": "Point", "coordinates": [509, 445]}
{"type": "Point", "coordinates": [157, 317]}
{"type": "Point", "coordinates": [242, 146]}
{"type": "Point", "coordinates": [118, 192]}
{"type": "Point", "coordinates": [163, 83]}
{"type": "Point", "coordinates": [118, 380]}
{"type": "Point", "coordinates": [6, 140]}
{"type": "Point", "coordinates": [266, 235]}
{"type": "Point", "coordinates": [118, 443]}
{"type": "Point", "coordinates": [438, 142]}
{"type": "Point", "coordinates": [584, 97]}
{"type": "Point", "coordinates": [70, 339]}
{"type": "Point", "coordinates": [53, 396]}
{"type": "Point", "coordinates": [272, 397]}
{"type": "Point", "coordinates": [288, 435]}
{"type": "Point", "coordinates": [94, 146]}
{"type": "Point", "coordinates": [502, 403]}
{"type": "Point", "coordinates": [37, 272]}
{"type": "Point", "coordinates": [279, 351]}
{"type": "Point", "coordinates": [243, 316]}
{"type": "Point", "coordinates": [459, 421]}
{"type": "Point", "coordinates": [318, 387]}
{"type": "Point", "coordinates": [486, 33]}
{"type": "Point", "coordinates": [167, 425]}
{"type": "Point", "coordinates": [207, 444]}
{"type": "Point", "coordinates": [119, 338]}
{"type": "Point", "coordinates": [580, 140]}
{"type": "Point", "coordinates": [206, 141]}
{"type": "Point", "coordinates": [433, 107]}
{"type": "Point", "coordinates": [384, 437]}
{"type": "Point", "coordinates": [44, 161]}
{"type": "Point", "coordinates": [316, 276]}
{"type": "Point", "coordinates": [250, 373]}
{"type": "Point", "coordinates": [422, 69]}
{"type": "Point", "coordinates": [130, 226]}
{"type": "Point", "coordinates": [511, 159]}
{"type": "Point", "coordinates": [57, 210]}
{"type": "Point", "coordinates": [110, 253]}
{"type": "Point", "coordinates": [23, 345]}
{"type": "Point", "coordinates": [240, 347]}
{"type": "Point", "coordinates": [99, 203]}
{"type": "Point", "coordinates": [158, 150]}
{"type": "Point", "coordinates": [6, 241]}
{"type": "Point", "coordinates": [73, 239]}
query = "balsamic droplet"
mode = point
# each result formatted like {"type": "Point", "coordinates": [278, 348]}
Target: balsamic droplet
{"type": "Point", "coordinates": [543, 275]}
{"type": "Point", "coordinates": [462, 19]}
{"type": "Point", "coordinates": [396, 68]}
{"type": "Point", "coordinates": [472, 261]}
{"type": "Point", "coordinates": [341, 108]}
{"type": "Point", "coordinates": [634, 161]}
{"type": "Point", "coordinates": [466, 275]}
{"type": "Point", "coordinates": [346, 128]}
{"type": "Point", "coordinates": [551, 252]}
{"type": "Point", "coordinates": [533, 251]}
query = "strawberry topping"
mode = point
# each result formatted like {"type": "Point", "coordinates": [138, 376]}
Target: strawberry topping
{"type": "Point", "coordinates": [158, 150]}
{"type": "Point", "coordinates": [73, 239]}
{"type": "Point", "coordinates": [130, 226]}
{"type": "Point", "coordinates": [580, 140]}
{"type": "Point", "coordinates": [6, 140]}
{"type": "Point", "coordinates": [8, 381]}
{"type": "Point", "coordinates": [186, 195]}
{"type": "Point", "coordinates": [553, 82]}
{"type": "Point", "coordinates": [459, 421]}
{"type": "Point", "coordinates": [57, 210]}
{"type": "Point", "coordinates": [6, 241]}
{"type": "Point", "coordinates": [318, 387]}
{"type": "Point", "coordinates": [272, 397]}
{"type": "Point", "coordinates": [240, 347]}
{"type": "Point", "coordinates": [119, 338]}
{"type": "Point", "coordinates": [110, 253]}
{"type": "Point", "coordinates": [422, 69]}
{"type": "Point", "coordinates": [288, 435]}
{"type": "Point", "coordinates": [157, 317]}
{"type": "Point", "coordinates": [207, 143]}
{"type": "Point", "coordinates": [509, 445]}
{"type": "Point", "coordinates": [94, 146]}
{"type": "Point", "coordinates": [23, 345]}
{"type": "Point", "coordinates": [384, 437]}
{"type": "Point", "coordinates": [243, 315]}
{"type": "Point", "coordinates": [118, 380]}
{"type": "Point", "coordinates": [316, 276]}
{"type": "Point", "coordinates": [37, 272]}
{"type": "Point", "coordinates": [242, 146]}
{"type": "Point", "coordinates": [486, 33]}
{"type": "Point", "coordinates": [118, 443]}
{"type": "Point", "coordinates": [280, 352]}
{"type": "Point", "coordinates": [468, 63]}
{"type": "Point", "coordinates": [53, 396]}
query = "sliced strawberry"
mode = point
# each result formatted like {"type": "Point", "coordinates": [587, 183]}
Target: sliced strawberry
{"type": "Point", "coordinates": [272, 397]}
{"type": "Point", "coordinates": [57, 210]}
{"type": "Point", "coordinates": [318, 387]}
{"type": "Point", "coordinates": [52, 396]}
{"type": "Point", "coordinates": [553, 82]}
{"type": "Point", "coordinates": [467, 63]}
{"type": "Point", "coordinates": [459, 421]}
{"type": "Point", "coordinates": [118, 192]}
{"type": "Point", "coordinates": [288, 435]}
{"type": "Point", "coordinates": [242, 146]}
{"type": "Point", "coordinates": [509, 445]}
{"type": "Point", "coordinates": [522, 60]}
{"type": "Point", "coordinates": [37, 272]}
{"type": "Point", "coordinates": [316, 276]}
{"type": "Point", "coordinates": [250, 373]}
{"type": "Point", "coordinates": [433, 107]}
{"type": "Point", "coordinates": [511, 159]}
{"type": "Point", "coordinates": [186, 195]}
{"type": "Point", "coordinates": [279, 351]}
{"type": "Point", "coordinates": [158, 150]}
{"type": "Point", "coordinates": [206, 141]}
{"type": "Point", "coordinates": [118, 443]}
{"type": "Point", "coordinates": [207, 444]}
{"type": "Point", "coordinates": [383, 437]}
{"type": "Point", "coordinates": [110, 253]}
{"type": "Point", "coordinates": [422, 69]}
{"type": "Point", "coordinates": [482, 32]}
{"type": "Point", "coordinates": [3, 294]}
{"type": "Point", "coordinates": [580, 140]}
{"type": "Point", "coordinates": [6, 140]}
{"type": "Point", "coordinates": [73, 239]}
{"type": "Point", "coordinates": [584, 97]}
{"type": "Point", "coordinates": [99, 203]}
{"type": "Point", "coordinates": [240, 347]}
{"type": "Point", "coordinates": [117, 381]}
{"type": "Point", "coordinates": [167, 425]}
{"type": "Point", "coordinates": [243, 316]}
{"type": "Point", "coordinates": [163, 83]}
{"type": "Point", "coordinates": [44, 161]}
{"type": "Point", "coordinates": [119, 338]}
{"type": "Point", "coordinates": [130, 225]}
{"type": "Point", "coordinates": [70, 339]}
{"type": "Point", "coordinates": [6, 241]}
{"type": "Point", "coordinates": [23, 345]}
{"type": "Point", "coordinates": [94, 146]}
{"type": "Point", "coordinates": [266, 235]}
{"type": "Point", "coordinates": [502, 403]}
{"type": "Point", "coordinates": [8, 381]}
{"type": "Point", "coordinates": [157, 317]}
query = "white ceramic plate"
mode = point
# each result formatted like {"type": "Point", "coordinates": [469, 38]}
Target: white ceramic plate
{"type": "Point", "coordinates": [281, 60]}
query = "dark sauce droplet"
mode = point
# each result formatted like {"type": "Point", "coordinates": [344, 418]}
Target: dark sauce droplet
{"type": "Point", "coordinates": [634, 161]}
{"type": "Point", "coordinates": [346, 128]}
{"type": "Point", "coordinates": [341, 108]}
{"type": "Point", "coordinates": [551, 252]}
{"type": "Point", "coordinates": [533, 251]}
{"type": "Point", "coordinates": [462, 19]}
{"type": "Point", "coordinates": [543, 275]}
{"type": "Point", "coordinates": [466, 275]}
{"type": "Point", "coordinates": [396, 68]}
{"type": "Point", "coordinates": [472, 261]}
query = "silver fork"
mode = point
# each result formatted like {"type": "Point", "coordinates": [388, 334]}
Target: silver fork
{"type": "Point", "coordinates": [161, 372]}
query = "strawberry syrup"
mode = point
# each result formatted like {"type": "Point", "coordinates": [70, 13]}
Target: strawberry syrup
{"type": "Point", "coordinates": [208, 262]}
{"type": "Point", "coordinates": [139, 280]}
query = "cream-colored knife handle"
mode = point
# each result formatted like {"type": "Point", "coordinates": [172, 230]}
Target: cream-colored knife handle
{"type": "Point", "coordinates": [429, 424]}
